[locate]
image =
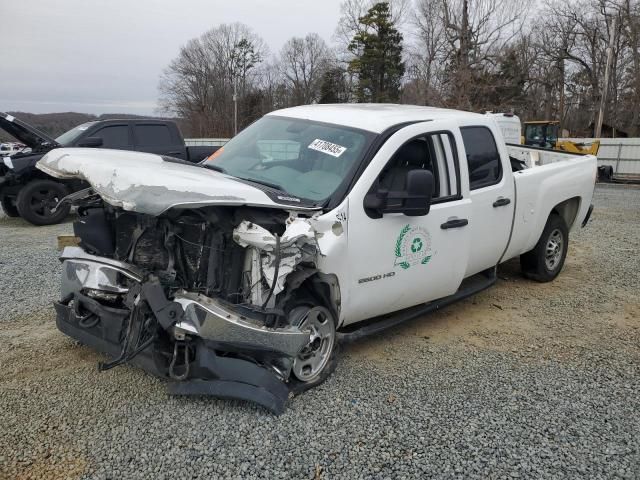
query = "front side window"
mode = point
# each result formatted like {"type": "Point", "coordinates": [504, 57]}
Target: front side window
{"type": "Point", "coordinates": [114, 136]}
{"type": "Point", "coordinates": [303, 158]}
{"type": "Point", "coordinates": [433, 152]}
{"type": "Point", "coordinates": [483, 158]}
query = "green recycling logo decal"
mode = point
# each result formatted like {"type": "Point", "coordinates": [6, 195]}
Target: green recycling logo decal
{"type": "Point", "coordinates": [413, 247]}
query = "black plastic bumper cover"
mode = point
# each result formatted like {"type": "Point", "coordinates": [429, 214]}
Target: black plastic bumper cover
{"type": "Point", "coordinates": [225, 377]}
{"type": "Point", "coordinates": [587, 216]}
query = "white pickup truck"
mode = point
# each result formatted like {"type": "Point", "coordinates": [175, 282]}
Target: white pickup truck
{"type": "Point", "coordinates": [318, 224]}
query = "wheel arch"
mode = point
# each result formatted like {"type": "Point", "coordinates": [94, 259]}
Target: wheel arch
{"type": "Point", "coordinates": [568, 210]}
{"type": "Point", "coordinates": [316, 286]}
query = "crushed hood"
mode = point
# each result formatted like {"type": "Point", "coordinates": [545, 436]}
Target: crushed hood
{"type": "Point", "coordinates": [25, 133]}
{"type": "Point", "coordinates": [146, 183]}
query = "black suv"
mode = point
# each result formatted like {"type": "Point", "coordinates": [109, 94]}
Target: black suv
{"type": "Point", "coordinates": [33, 195]}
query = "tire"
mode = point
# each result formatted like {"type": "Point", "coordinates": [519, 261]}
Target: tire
{"type": "Point", "coordinates": [313, 366]}
{"type": "Point", "coordinates": [37, 199]}
{"type": "Point", "coordinates": [546, 260]}
{"type": "Point", "coordinates": [9, 207]}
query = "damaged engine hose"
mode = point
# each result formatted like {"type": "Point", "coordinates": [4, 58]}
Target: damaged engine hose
{"type": "Point", "coordinates": [275, 272]}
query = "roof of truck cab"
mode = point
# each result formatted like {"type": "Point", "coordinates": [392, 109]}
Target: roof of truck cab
{"type": "Point", "coordinates": [374, 117]}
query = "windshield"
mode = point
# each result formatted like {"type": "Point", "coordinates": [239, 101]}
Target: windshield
{"type": "Point", "coordinates": [303, 158]}
{"type": "Point", "coordinates": [69, 137]}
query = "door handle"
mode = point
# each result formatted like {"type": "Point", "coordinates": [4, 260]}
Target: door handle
{"type": "Point", "coordinates": [501, 202]}
{"type": "Point", "coordinates": [174, 153]}
{"type": "Point", "coordinates": [454, 223]}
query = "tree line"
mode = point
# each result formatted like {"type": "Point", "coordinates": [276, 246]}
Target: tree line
{"type": "Point", "coordinates": [544, 60]}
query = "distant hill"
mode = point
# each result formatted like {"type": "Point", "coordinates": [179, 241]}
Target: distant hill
{"type": "Point", "coordinates": [55, 124]}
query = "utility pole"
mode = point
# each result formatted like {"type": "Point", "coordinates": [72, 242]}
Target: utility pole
{"type": "Point", "coordinates": [562, 98]}
{"type": "Point", "coordinates": [605, 87]}
{"type": "Point", "coordinates": [235, 106]}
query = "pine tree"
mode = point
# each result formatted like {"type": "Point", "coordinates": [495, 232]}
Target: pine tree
{"type": "Point", "coordinates": [378, 63]}
{"type": "Point", "coordinates": [333, 88]}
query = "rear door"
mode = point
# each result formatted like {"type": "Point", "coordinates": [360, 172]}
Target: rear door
{"type": "Point", "coordinates": [492, 196]}
{"type": "Point", "coordinates": [399, 261]}
{"type": "Point", "coordinates": [158, 137]}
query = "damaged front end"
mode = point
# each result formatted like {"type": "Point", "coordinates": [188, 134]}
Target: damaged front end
{"type": "Point", "coordinates": [220, 300]}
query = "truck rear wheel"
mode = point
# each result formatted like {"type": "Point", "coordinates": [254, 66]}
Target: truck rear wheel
{"type": "Point", "coordinates": [9, 207]}
{"type": "Point", "coordinates": [546, 260]}
{"type": "Point", "coordinates": [37, 200]}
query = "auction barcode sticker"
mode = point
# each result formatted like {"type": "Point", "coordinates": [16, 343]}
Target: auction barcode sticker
{"type": "Point", "coordinates": [327, 147]}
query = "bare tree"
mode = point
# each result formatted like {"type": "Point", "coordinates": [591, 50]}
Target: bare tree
{"type": "Point", "coordinates": [630, 24]}
{"type": "Point", "coordinates": [428, 55]}
{"type": "Point", "coordinates": [303, 62]}
{"type": "Point", "coordinates": [470, 54]}
{"type": "Point", "coordinates": [198, 84]}
{"type": "Point", "coordinates": [476, 31]}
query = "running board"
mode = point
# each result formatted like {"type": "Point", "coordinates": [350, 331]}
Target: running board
{"type": "Point", "coordinates": [470, 286]}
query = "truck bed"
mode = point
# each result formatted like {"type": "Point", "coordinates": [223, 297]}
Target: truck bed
{"type": "Point", "coordinates": [548, 180]}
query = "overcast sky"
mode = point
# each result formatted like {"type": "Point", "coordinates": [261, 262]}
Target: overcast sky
{"type": "Point", "coordinates": [105, 56]}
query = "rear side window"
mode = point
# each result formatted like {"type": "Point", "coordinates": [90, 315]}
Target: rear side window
{"type": "Point", "coordinates": [483, 158]}
{"type": "Point", "coordinates": [153, 135]}
{"type": "Point", "coordinates": [114, 136]}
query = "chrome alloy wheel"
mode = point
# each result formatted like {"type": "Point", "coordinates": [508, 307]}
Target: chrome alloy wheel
{"type": "Point", "coordinates": [315, 356]}
{"type": "Point", "coordinates": [554, 249]}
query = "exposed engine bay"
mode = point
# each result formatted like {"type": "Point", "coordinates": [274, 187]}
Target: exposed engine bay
{"type": "Point", "coordinates": [221, 300]}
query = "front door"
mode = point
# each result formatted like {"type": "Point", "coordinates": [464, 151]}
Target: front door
{"type": "Point", "coordinates": [398, 261]}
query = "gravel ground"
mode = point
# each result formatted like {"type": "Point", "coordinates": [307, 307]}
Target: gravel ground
{"type": "Point", "coordinates": [524, 380]}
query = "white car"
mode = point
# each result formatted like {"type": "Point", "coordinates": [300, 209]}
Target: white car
{"type": "Point", "coordinates": [10, 148]}
{"type": "Point", "coordinates": [316, 224]}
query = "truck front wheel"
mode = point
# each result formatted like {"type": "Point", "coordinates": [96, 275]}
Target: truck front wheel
{"type": "Point", "coordinates": [545, 261]}
{"type": "Point", "coordinates": [317, 360]}
{"type": "Point", "coordinates": [9, 207]}
{"type": "Point", "coordinates": [37, 202]}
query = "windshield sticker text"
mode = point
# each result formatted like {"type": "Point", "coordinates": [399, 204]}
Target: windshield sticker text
{"type": "Point", "coordinates": [327, 147]}
{"type": "Point", "coordinates": [413, 247]}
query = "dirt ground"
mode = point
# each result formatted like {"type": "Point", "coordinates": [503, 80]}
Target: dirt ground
{"type": "Point", "coordinates": [591, 309]}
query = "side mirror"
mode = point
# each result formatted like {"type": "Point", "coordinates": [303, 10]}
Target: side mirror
{"type": "Point", "coordinates": [91, 142]}
{"type": "Point", "coordinates": [419, 192]}
{"type": "Point", "coordinates": [413, 201]}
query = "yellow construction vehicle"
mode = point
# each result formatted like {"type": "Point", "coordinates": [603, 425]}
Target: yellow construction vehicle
{"type": "Point", "coordinates": [544, 134]}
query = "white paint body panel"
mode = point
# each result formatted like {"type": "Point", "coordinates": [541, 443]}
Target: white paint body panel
{"type": "Point", "coordinates": [372, 244]}
{"type": "Point", "coordinates": [374, 117]}
{"type": "Point", "coordinates": [557, 177]}
{"type": "Point", "coordinates": [489, 227]}
{"type": "Point", "coordinates": [509, 125]}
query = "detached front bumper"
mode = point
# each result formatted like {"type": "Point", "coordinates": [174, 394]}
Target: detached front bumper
{"type": "Point", "coordinates": [222, 351]}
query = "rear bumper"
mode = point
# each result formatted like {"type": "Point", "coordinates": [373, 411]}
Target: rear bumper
{"type": "Point", "coordinates": [214, 339]}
